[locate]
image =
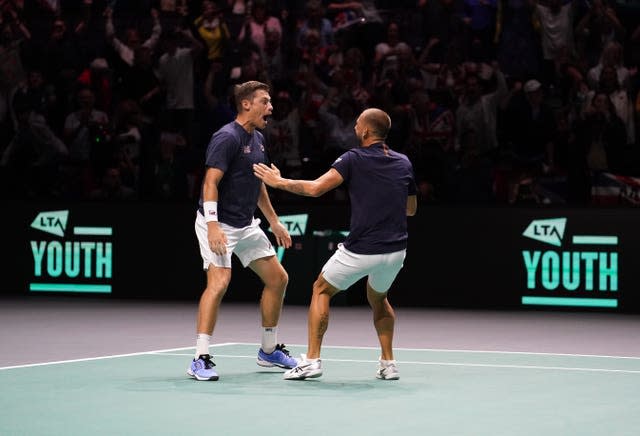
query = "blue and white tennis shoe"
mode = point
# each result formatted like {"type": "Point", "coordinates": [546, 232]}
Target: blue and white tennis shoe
{"type": "Point", "coordinates": [279, 357]}
{"type": "Point", "coordinates": [202, 368]}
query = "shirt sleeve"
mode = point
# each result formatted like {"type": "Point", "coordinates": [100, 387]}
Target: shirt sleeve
{"type": "Point", "coordinates": [221, 151]}
{"type": "Point", "coordinates": [343, 165]}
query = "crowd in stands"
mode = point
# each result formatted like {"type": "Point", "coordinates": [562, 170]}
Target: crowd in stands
{"type": "Point", "coordinates": [494, 101]}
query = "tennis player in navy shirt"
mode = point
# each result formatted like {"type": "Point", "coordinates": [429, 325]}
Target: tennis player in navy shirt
{"type": "Point", "coordinates": [225, 225]}
{"type": "Point", "coordinates": [382, 191]}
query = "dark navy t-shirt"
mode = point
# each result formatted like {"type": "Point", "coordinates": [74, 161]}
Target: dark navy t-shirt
{"type": "Point", "coordinates": [234, 151]}
{"type": "Point", "coordinates": [379, 181]}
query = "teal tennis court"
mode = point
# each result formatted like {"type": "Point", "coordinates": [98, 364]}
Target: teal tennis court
{"type": "Point", "coordinates": [441, 392]}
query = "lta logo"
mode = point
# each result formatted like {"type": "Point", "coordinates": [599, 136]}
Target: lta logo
{"type": "Point", "coordinates": [586, 274]}
{"type": "Point", "coordinates": [79, 263]}
{"type": "Point", "coordinates": [296, 226]}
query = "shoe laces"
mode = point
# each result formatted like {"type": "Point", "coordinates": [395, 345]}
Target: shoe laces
{"type": "Point", "coordinates": [206, 358]}
{"type": "Point", "coordinates": [281, 348]}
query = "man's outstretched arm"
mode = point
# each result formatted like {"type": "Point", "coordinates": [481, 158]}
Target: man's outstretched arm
{"type": "Point", "coordinates": [310, 188]}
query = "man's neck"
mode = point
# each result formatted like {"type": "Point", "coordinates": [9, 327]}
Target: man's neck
{"type": "Point", "coordinates": [368, 142]}
{"type": "Point", "coordinates": [245, 124]}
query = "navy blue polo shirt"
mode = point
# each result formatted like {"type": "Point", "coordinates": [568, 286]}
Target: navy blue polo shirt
{"type": "Point", "coordinates": [234, 151]}
{"type": "Point", "coordinates": [379, 181]}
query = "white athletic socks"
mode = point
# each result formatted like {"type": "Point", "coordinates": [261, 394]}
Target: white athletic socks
{"type": "Point", "coordinates": [202, 344]}
{"type": "Point", "coordinates": [269, 338]}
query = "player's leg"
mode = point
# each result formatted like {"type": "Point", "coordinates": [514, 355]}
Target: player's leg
{"type": "Point", "coordinates": [255, 251]}
{"type": "Point", "coordinates": [378, 283]}
{"type": "Point", "coordinates": [275, 280]}
{"type": "Point", "coordinates": [218, 279]}
{"type": "Point", "coordinates": [310, 366]}
{"type": "Point", "coordinates": [339, 272]}
{"type": "Point", "coordinates": [383, 319]}
{"type": "Point", "coordinates": [218, 270]}
{"type": "Point", "coordinates": [318, 317]}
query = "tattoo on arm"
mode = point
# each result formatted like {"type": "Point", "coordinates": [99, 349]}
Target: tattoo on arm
{"type": "Point", "coordinates": [297, 187]}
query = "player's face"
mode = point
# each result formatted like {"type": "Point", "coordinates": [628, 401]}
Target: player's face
{"type": "Point", "coordinates": [261, 108]}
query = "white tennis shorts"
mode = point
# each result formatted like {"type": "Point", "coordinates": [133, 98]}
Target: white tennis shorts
{"type": "Point", "coordinates": [345, 268]}
{"type": "Point", "coordinates": [248, 243]}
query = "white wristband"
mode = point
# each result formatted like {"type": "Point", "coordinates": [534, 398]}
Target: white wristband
{"type": "Point", "coordinates": [210, 211]}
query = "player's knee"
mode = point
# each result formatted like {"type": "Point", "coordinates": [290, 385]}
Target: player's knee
{"type": "Point", "coordinates": [281, 279]}
{"type": "Point", "coordinates": [215, 291]}
{"type": "Point", "coordinates": [277, 281]}
{"type": "Point", "coordinates": [322, 287]}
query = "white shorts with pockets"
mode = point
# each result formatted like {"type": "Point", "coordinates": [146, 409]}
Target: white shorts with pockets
{"type": "Point", "coordinates": [344, 268]}
{"type": "Point", "coordinates": [248, 243]}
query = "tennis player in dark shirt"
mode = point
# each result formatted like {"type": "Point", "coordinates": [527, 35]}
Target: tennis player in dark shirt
{"type": "Point", "coordinates": [225, 225]}
{"type": "Point", "coordinates": [382, 191]}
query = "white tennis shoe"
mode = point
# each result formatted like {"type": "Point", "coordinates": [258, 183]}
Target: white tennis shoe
{"type": "Point", "coordinates": [387, 370]}
{"type": "Point", "coordinates": [304, 369]}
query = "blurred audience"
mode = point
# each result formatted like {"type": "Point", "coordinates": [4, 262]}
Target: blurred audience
{"type": "Point", "coordinates": [494, 101]}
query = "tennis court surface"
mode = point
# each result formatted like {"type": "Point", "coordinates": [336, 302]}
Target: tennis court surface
{"type": "Point", "coordinates": [504, 381]}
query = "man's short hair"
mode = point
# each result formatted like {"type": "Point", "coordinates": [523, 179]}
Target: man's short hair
{"type": "Point", "coordinates": [245, 91]}
{"type": "Point", "coordinates": [379, 122]}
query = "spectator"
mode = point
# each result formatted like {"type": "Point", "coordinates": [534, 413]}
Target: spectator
{"type": "Point", "coordinates": [598, 27]}
{"type": "Point", "coordinates": [619, 97]}
{"type": "Point", "coordinates": [530, 130]}
{"type": "Point", "coordinates": [612, 56]}
{"type": "Point", "coordinates": [316, 21]}
{"type": "Point", "coordinates": [276, 62]}
{"type": "Point", "coordinates": [32, 157]}
{"type": "Point", "coordinates": [518, 49]}
{"type": "Point", "coordinates": [63, 58]}
{"type": "Point", "coordinates": [176, 76]}
{"type": "Point", "coordinates": [12, 70]}
{"type": "Point", "coordinates": [430, 143]}
{"type": "Point", "coordinates": [258, 24]}
{"type": "Point", "coordinates": [338, 122]}
{"type": "Point", "coordinates": [86, 130]}
{"type": "Point", "coordinates": [283, 135]}
{"type": "Point", "coordinates": [600, 136]}
{"type": "Point", "coordinates": [477, 111]}
{"type": "Point", "coordinates": [480, 17]}
{"type": "Point", "coordinates": [213, 30]}
{"type": "Point", "coordinates": [388, 51]}
{"type": "Point", "coordinates": [126, 49]}
{"type": "Point", "coordinates": [142, 85]}
{"type": "Point", "coordinates": [98, 78]}
{"type": "Point", "coordinates": [111, 187]}
{"type": "Point", "coordinates": [556, 31]}
{"type": "Point", "coordinates": [174, 180]}
{"type": "Point", "coordinates": [40, 96]}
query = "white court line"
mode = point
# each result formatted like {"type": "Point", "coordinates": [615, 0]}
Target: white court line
{"type": "Point", "coordinates": [481, 365]}
{"type": "Point", "coordinates": [170, 350]}
{"type": "Point", "coordinates": [114, 356]}
{"type": "Point", "coordinates": [444, 350]}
